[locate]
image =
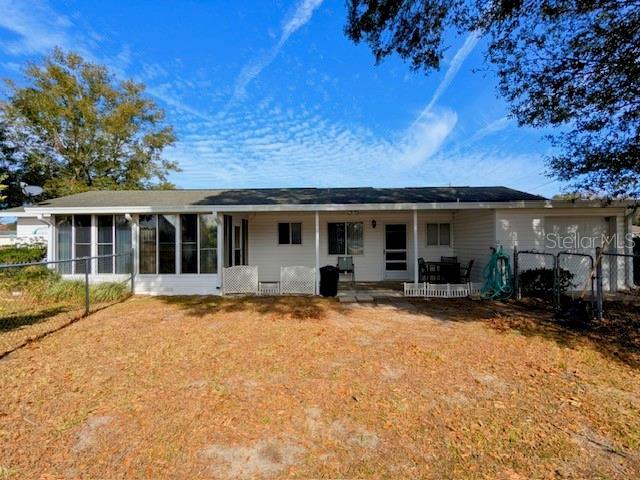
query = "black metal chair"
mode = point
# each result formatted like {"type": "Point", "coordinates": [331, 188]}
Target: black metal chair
{"type": "Point", "coordinates": [449, 259]}
{"type": "Point", "coordinates": [422, 270]}
{"type": "Point", "coordinates": [465, 274]}
{"type": "Point", "coordinates": [345, 265]}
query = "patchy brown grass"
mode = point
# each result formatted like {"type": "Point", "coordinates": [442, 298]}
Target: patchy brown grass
{"type": "Point", "coordinates": [249, 388]}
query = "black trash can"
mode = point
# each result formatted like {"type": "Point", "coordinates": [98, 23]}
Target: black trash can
{"type": "Point", "coordinates": [329, 281]}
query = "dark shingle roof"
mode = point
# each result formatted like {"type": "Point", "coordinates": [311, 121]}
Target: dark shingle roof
{"type": "Point", "coordinates": [288, 196]}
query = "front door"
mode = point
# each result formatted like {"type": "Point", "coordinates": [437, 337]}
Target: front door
{"type": "Point", "coordinates": [395, 251]}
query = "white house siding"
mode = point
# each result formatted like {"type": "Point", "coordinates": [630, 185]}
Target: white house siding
{"type": "Point", "coordinates": [265, 252]}
{"type": "Point", "coordinates": [530, 229]}
{"type": "Point", "coordinates": [267, 255]}
{"type": "Point", "coordinates": [203, 284]}
{"type": "Point", "coordinates": [474, 234]}
{"type": "Point", "coordinates": [28, 227]}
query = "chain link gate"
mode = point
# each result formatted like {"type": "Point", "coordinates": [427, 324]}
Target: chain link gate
{"type": "Point", "coordinates": [535, 275]}
{"type": "Point", "coordinates": [575, 276]}
{"type": "Point", "coordinates": [614, 271]}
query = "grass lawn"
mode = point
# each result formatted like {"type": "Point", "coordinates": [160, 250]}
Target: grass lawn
{"type": "Point", "coordinates": [300, 388]}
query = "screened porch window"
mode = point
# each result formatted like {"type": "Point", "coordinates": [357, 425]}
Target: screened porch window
{"type": "Point", "coordinates": [148, 237]}
{"type": "Point", "coordinates": [114, 238]}
{"type": "Point", "coordinates": [74, 239]}
{"type": "Point", "coordinates": [105, 243]}
{"type": "Point", "coordinates": [158, 244]}
{"type": "Point", "coordinates": [64, 248]}
{"type": "Point", "coordinates": [189, 239]}
{"type": "Point", "coordinates": [346, 238]}
{"type": "Point", "coordinates": [82, 241]}
{"type": "Point", "coordinates": [208, 244]}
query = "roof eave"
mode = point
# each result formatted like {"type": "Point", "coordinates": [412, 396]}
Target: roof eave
{"type": "Point", "coordinates": [35, 210]}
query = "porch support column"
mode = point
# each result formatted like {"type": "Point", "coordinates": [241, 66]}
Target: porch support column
{"type": "Point", "coordinates": [317, 223]}
{"type": "Point", "coordinates": [415, 246]}
{"type": "Point", "coordinates": [220, 245]}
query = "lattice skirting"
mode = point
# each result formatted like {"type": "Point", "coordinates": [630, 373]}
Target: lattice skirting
{"type": "Point", "coordinates": [297, 280]}
{"type": "Point", "coordinates": [240, 279]}
{"type": "Point", "coordinates": [447, 290]}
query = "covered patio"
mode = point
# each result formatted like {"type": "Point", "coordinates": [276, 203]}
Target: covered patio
{"type": "Point", "coordinates": [270, 253]}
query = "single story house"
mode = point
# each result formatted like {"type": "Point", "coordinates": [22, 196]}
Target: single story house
{"type": "Point", "coordinates": [183, 240]}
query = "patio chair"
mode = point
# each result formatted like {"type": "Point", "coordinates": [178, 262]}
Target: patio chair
{"type": "Point", "coordinates": [422, 270]}
{"type": "Point", "coordinates": [345, 265]}
{"type": "Point", "coordinates": [465, 273]}
{"type": "Point", "coordinates": [449, 259]}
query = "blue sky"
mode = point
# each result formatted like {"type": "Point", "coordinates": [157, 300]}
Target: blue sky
{"type": "Point", "coordinates": [266, 94]}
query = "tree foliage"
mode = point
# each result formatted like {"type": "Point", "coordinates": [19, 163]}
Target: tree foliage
{"type": "Point", "coordinates": [3, 178]}
{"type": "Point", "coordinates": [75, 127]}
{"type": "Point", "coordinates": [570, 64]}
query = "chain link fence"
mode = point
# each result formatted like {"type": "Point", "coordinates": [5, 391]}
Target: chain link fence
{"type": "Point", "coordinates": [615, 272]}
{"type": "Point", "coordinates": [567, 278]}
{"type": "Point", "coordinates": [38, 298]}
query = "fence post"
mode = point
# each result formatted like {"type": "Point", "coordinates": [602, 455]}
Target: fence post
{"type": "Point", "coordinates": [599, 292]}
{"type": "Point", "coordinates": [556, 281]}
{"type": "Point", "coordinates": [516, 275]}
{"type": "Point", "coordinates": [87, 304]}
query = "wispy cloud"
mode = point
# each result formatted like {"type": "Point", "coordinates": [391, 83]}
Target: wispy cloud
{"type": "Point", "coordinates": [38, 29]}
{"type": "Point", "coordinates": [300, 15]}
{"type": "Point", "coordinates": [457, 61]}
{"type": "Point", "coordinates": [492, 127]}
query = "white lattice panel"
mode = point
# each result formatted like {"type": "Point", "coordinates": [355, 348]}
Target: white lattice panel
{"type": "Point", "coordinates": [240, 279]}
{"type": "Point", "coordinates": [297, 280]}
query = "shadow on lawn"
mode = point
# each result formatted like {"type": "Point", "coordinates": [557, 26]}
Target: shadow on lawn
{"type": "Point", "coordinates": [295, 308]}
{"type": "Point", "coordinates": [617, 336]}
{"type": "Point", "coordinates": [17, 320]}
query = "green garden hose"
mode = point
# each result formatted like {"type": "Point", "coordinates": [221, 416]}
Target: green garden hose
{"type": "Point", "coordinates": [498, 283]}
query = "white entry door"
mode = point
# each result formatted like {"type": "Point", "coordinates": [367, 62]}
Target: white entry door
{"type": "Point", "coordinates": [395, 251]}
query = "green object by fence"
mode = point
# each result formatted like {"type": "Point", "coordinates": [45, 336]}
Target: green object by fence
{"type": "Point", "coordinates": [498, 276]}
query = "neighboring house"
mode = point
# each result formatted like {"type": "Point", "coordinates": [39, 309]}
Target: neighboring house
{"type": "Point", "coordinates": [182, 239]}
{"type": "Point", "coordinates": [7, 235]}
{"type": "Point", "coordinates": [29, 230]}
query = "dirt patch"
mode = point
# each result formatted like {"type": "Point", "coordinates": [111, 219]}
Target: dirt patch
{"type": "Point", "coordinates": [263, 458]}
{"type": "Point", "coordinates": [89, 432]}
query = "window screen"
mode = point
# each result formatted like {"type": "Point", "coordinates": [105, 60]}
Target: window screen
{"type": "Point", "coordinates": [148, 235]}
{"type": "Point", "coordinates": [167, 243]}
{"type": "Point", "coordinates": [208, 244]}
{"type": "Point", "coordinates": [63, 244]}
{"type": "Point", "coordinates": [105, 243]}
{"type": "Point", "coordinates": [82, 227]}
{"type": "Point", "coordinates": [123, 244]}
{"type": "Point", "coordinates": [189, 238]}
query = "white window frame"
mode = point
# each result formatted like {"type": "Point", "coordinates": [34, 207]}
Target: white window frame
{"type": "Point", "coordinates": [438, 244]}
{"type": "Point", "coordinates": [346, 239]}
{"type": "Point", "coordinates": [290, 244]}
